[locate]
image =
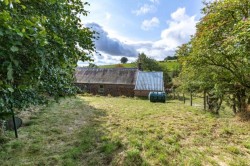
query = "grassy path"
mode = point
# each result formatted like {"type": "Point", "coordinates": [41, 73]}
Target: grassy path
{"type": "Point", "coordinates": [126, 131]}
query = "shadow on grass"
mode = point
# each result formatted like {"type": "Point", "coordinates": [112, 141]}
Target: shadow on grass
{"type": "Point", "coordinates": [93, 146]}
{"type": "Point", "coordinates": [70, 132]}
{"type": "Point", "coordinates": [96, 147]}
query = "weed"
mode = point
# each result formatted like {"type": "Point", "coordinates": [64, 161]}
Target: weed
{"type": "Point", "coordinates": [109, 147]}
{"type": "Point", "coordinates": [17, 145]}
{"type": "Point", "coordinates": [133, 158]}
{"type": "Point", "coordinates": [195, 162]}
{"type": "Point", "coordinates": [247, 145]}
{"type": "Point", "coordinates": [34, 148]}
{"type": "Point", "coordinates": [239, 162]}
{"type": "Point", "coordinates": [233, 149]}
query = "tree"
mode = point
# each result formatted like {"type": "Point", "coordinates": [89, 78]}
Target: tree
{"type": "Point", "coordinates": [40, 44]}
{"type": "Point", "coordinates": [148, 64]}
{"type": "Point", "coordinates": [170, 58]}
{"type": "Point", "coordinates": [92, 65]}
{"type": "Point", "coordinates": [124, 60]}
{"type": "Point", "coordinates": [219, 57]}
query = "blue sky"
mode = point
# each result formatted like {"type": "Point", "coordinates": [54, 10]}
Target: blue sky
{"type": "Point", "coordinates": [129, 27]}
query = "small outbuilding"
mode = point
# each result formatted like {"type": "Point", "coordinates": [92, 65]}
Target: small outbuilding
{"type": "Point", "coordinates": [104, 81]}
{"type": "Point", "coordinates": [148, 82]}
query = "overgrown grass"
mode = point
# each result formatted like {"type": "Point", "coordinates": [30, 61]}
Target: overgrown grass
{"type": "Point", "coordinates": [89, 130]}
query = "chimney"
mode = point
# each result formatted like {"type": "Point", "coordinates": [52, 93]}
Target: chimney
{"type": "Point", "coordinates": [139, 66]}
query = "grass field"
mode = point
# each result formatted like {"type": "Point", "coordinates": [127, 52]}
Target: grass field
{"type": "Point", "coordinates": [127, 65]}
{"type": "Point", "coordinates": [92, 130]}
{"type": "Point", "coordinates": [170, 65]}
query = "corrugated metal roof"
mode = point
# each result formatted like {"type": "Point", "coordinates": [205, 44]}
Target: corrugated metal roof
{"type": "Point", "coordinates": [152, 81]}
{"type": "Point", "coordinates": [106, 76]}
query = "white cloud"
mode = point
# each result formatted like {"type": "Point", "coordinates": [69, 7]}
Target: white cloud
{"type": "Point", "coordinates": [179, 14]}
{"type": "Point", "coordinates": [178, 31]}
{"type": "Point", "coordinates": [105, 59]}
{"type": "Point", "coordinates": [181, 27]}
{"type": "Point", "coordinates": [145, 9]}
{"type": "Point", "coordinates": [149, 24]}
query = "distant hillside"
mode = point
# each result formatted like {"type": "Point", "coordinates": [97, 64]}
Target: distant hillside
{"type": "Point", "coordinates": [127, 65]}
{"type": "Point", "coordinates": [170, 65]}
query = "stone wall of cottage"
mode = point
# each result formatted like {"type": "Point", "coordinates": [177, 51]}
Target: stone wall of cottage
{"type": "Point", "coordinates": [107, 89]}
{"type": "Point", "coordinates": [141, 93]}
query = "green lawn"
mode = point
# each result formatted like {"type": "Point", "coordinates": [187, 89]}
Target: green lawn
{"type": "Point", "coordinates": [92, 130]}
{"type": "Point", "coordinates": [171, 65]}
{"type": "Point", "coordinates": [127, 65]}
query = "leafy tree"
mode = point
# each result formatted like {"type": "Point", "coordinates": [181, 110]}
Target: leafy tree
{"type": "Point", "coordinates": [219, 57]}
{"type": "Point", "coordinates": [124, 60]}
{"type": "Point", "coordinates": [148, 64]}
{"type": "Point", "coordinates": [92, 65]}
{"type": "Point", "coordinates": [40, 44]}
{"type": "Point", "coordinates": [170, 58]}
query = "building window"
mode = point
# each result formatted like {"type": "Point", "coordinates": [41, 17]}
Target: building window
{"type": "Point", "coordinates": [101, 89]}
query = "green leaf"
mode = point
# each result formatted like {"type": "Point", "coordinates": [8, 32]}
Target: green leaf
{"type": "Point", "coordinates": [1, 33]}
{"type": "Point", "coordinates": [10, 72]}
{"type": "Point", "coordinates": [52, 1]}
{"type": "Point", "coordinates": [20, 34]}
{"type": "Point", "coordinates": [11, 90]}
{"type": "Point", "coordinates": [14, 49]}
{"type": "Point", "coordinates": [23, 7]}
{"type": "Point", "coordinates": [6, 2]}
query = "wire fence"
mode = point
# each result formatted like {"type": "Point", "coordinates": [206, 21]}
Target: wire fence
{"type": "Point", "coordinates": [196, 100]}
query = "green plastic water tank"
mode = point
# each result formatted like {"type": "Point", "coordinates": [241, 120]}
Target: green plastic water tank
{"type": "Point", "coordinates": [157, 97]}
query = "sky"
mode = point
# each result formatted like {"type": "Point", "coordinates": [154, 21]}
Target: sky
{"type": "Point", "coordinates": [129, 27]}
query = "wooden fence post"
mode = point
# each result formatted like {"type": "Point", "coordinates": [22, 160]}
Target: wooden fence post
{"type": "Point", "coordinates": [204, 98]}
{"type": "Point", "coordinates": [191, 98]}
{"type": "Point", "coordinates": [184, 100]}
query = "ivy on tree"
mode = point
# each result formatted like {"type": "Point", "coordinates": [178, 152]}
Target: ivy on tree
{"type": "Point", "coordinates": [40, 44]}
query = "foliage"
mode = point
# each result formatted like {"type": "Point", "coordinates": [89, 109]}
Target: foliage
{"type": "Point", "coordinates": [170, 58]}
{"type": "Point", "coordinates": [40, 44]}
{"type": "Point", "coordinates": [217, 59]}
{"type": "Point", "coordinates": [124, 60]}
{"type": "Point", "coordinates": [148, 64]}
{"type": "Point", "coordinates": [92, 65]}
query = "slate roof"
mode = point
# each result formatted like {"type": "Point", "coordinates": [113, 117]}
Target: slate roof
{"type": "Point", "coordinates": [106, 76]}
{"type": "Point", "coordinates": [152, 81]}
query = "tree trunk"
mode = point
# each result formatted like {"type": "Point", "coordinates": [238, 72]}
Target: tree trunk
{"type": "Point", "coordinates": [241, 102]}
{"type": "Point", "coordinates": [234, 105]}
{"type": "Point", "coordinates": [214, 103]}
